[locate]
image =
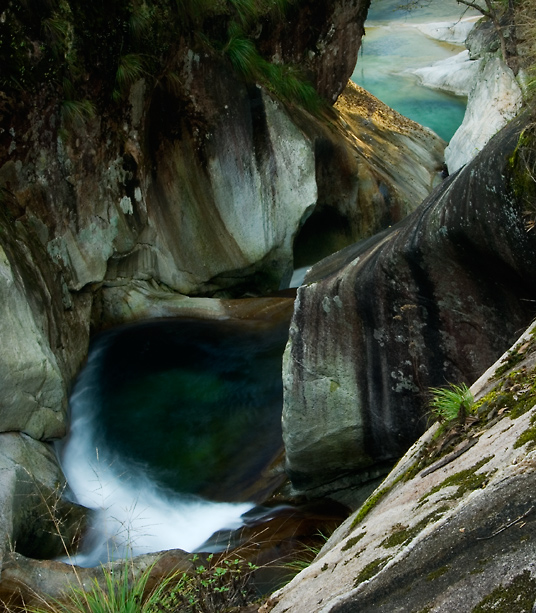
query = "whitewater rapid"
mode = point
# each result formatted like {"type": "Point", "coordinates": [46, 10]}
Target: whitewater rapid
{"type": "Point", "coordinates": [130, 515]}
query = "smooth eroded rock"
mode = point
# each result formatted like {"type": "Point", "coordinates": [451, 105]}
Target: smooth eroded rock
{"type": "Point", "coordinates": [36, 519]}
{"type": "Point", "coordinates": [450, 532]}
{"type": "Point", "coordinates": [434, 299]}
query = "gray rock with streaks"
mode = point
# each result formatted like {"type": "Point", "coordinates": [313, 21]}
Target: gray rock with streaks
{"type": "Point", "coordinates": [434, 299]}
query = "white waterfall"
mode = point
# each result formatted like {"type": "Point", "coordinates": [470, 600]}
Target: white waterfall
{"type": "Point", "coordinates": [130, 514]}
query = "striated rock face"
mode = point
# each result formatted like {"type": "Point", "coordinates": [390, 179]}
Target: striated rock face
{"type": "Point", "coordinates": [44, 332]}
{"type": "Point", "coordinates": [494, 95]}
{"type": "Point", "coordinates": [452, 533]}
{"type": "Point", "coordinates": [323, 38]}
{"type": "Point", "coordinates": [196, 189]}
{"type": "Point", "coordinates": [435, 299]}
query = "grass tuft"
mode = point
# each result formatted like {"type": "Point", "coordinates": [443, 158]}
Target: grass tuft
{"type": "Point", "coordinates": [131, 67]}
{"type": "Point", "coordinates": [119, 594]}
{"type": "Point", "coordinates": [76, 113]}
{"type": "Point", "coordinates": [450, 403]}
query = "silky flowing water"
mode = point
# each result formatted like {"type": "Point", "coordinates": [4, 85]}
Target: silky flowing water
{"type": "Point", "coordinates": [173, 421]}
{"type": "Point", "coordinates": [168, 417]}
{"type": "Point", "coordinates": [392, 45]}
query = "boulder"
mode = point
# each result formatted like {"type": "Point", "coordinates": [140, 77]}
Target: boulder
{"type": "Point", "coordinates": [29, 582]}
{"type": "Point", "coordinates": [453, 32]}
{"type": "Point", "coordinates": [434, 299]}
{"type": "Point", "coordinates": [447, 530]}
{"type": "Point", "coordinates": [494, 100]}
{"type": "Point", "coordinates": [36, 520]}
{"type": "Point", "coordinates": [455, 74]}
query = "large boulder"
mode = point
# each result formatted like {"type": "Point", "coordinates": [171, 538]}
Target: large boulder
{"type": "Point", "coordinates": [448, 530]}
{"type": "Point", "coordinates": [434, 299]}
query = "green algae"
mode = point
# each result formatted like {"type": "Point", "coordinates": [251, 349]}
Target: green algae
{"type": "Point", "coordinates": [402, 535]}
{"type": "Point", "coordinates": [517, 597]}
{"type": "Point", "coordinates": [522, 165]}
{"type": "Point", "coordinates": [516, 394]}
{"type": "Point", "coordinates": [373, 500]}
{"type": "Point", "coordinates": [528, 436]}
{"type": "Point", "coordinates": [515, 356]}
{"type": "Point", "coordinates": [435, 574]}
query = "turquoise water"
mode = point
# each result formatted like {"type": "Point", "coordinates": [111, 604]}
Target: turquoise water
{"type": "Point", "coordinates": [392, 45]}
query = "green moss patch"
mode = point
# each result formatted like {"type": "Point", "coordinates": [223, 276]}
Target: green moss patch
{"type": "Point", "coordinates": [466, 481]}
{"type": "Point", "coordinates": [352, 541]}
{"type": "Point", "coordinates": [402, 535]}
{"type": "Point", "coordinates": [516, 355]}
{"type": "Point", "coordinates": [528, 436]}
{"type": "Point", "coordinates": [516, 597]}
{"type": "Point", "coordinates": [437, 573]}
{"type": "Point", "coordinates": [373, 500]}
{"type": "Point", "coordinates": [371, 569]}
{"type": "Point", "coordinates": [517, 394]}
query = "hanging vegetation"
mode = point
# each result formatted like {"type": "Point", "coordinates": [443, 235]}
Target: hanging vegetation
{"type": "Point", "coordinates": [115, 42]}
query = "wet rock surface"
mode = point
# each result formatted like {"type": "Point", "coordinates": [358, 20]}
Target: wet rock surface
{"type": "Point", "coordinates": [435, 299]}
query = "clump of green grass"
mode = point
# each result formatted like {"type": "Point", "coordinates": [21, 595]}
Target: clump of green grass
{"type": "Point", "coordinates": [120, 594]}
{"type": "Point", "coordinates": [130, 68]}
{"type": "Point", "coordinates": [213, 587]}
{"type": "Point", "coordinates": [119, 42]}
{"type": "Point", "coordinates": [450, 403]}
{"type": "Point", "coordinates": [76, 113]}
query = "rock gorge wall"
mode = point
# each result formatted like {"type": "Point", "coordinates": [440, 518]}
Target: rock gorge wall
{"type": "Point", "coordinates": [434, 299]}
{"type": "Point", "coordinates": [198, 191]}
{"type": "Point", "coordinates": [494, 92]}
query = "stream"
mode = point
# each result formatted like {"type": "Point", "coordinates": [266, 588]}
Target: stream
{"type": "Point", "coordinates": [168, 417]}
{"type": "Point", "coordinates": [173, 421]}
{"type": "Point", "coordinates": [393, 45]}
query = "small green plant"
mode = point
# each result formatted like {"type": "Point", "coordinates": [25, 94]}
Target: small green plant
{"type": "Point", "coordinates": [75, 113]}
{"type": "Point", "coordinates": [307, 554]}
{"type": "Point", "coordinates": [130, 68]}
{"type": "Point", "coordinates": [220, 585]}
{"type": "Point", "coordinates": [450, 403]}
